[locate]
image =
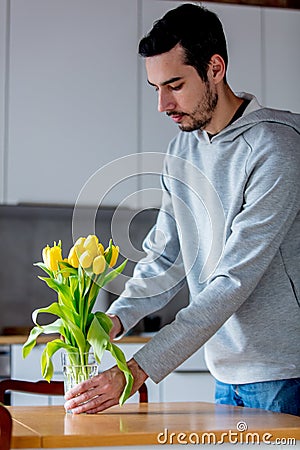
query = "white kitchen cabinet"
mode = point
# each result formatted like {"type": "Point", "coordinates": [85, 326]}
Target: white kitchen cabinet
{"type": "Point", "coordinates": [27, 369]}
{"type": "Point", "coordinates": [188, 387]}
{"type": "Point", "coordinates": [72, 97]}
{"type": "Point", "coordinates": [280, 58]}
{"type": "Point", "coordinates": [3, 47]}
{"type": "Point", "coordinates": [190, 382]}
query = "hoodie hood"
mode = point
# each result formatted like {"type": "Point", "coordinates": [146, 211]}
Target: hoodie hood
{"type": "Point", "coordinates": [253, 114]}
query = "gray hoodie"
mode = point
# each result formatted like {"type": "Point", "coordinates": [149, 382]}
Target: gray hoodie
{"type": "Point", "coordinates": [229, 227]}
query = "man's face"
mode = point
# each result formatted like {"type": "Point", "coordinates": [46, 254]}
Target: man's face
{"type": "Point", "coordinates": [182, 95]}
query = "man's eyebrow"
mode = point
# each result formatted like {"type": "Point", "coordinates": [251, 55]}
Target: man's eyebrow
{"type": "Point", "coordinates": [164, 83]}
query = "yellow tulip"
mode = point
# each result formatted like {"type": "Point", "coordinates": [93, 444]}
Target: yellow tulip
{"type": "Point", "coordinates": [79, 245]}
{"type": "Point", "coordinates": [99, 264]}
{"type": "Point", "coordinates": [52, 256]}
{"type": "Point", "coordinates": [55, 257]}
{"type": "Point", "coordinates": [46, 256]}
{"type": "Point", "coordinates": [100, 249]}
{"type": "Point", "coordinates": [73, 257]}
{"type": "Point", "coordinates": [91, 245]}
{"type": "Point", "coordinates": [86, 260]}
{"type": "Point", "coordinates": [114, 255]}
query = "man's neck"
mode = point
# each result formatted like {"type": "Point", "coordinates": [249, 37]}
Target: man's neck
{"type": "Point", "coordinates": [228, 104]}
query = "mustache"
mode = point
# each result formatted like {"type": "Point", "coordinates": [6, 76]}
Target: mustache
{"type": "Point", "coordinates": [176, 113]}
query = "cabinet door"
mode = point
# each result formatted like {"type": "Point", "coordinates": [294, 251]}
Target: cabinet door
{"type": "Point", "coordinates": [189, 387]}
{"type": "Point", "coordinates": [28, 369]}
{"type": "Point", "coordinates": [72, 99]}
{"type": "Point", "coordinates": [281, 60]}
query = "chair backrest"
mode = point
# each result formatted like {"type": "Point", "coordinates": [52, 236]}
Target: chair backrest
{"type": "Point", "coordinates": [5, 428]}
{"type": "Point", "coordinates": [46, 388]}
{"type": "Point", "coordinates": [33, 387]}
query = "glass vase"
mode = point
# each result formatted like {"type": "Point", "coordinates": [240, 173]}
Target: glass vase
{"type": "Point", "coordinates": [77, 368]}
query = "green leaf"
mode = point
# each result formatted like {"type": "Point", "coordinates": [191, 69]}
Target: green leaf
{"type": "Point", "coordinates": [46, 358]}
{"type": "Point", "coordinates": [63, 265]}
{"type": "Point", "coordinates": [62, 289]}
{"type": "Point", "coordinates": [93, 294]}
{"type": "Point", "coordinates": [44, 268]}
{"type": "Point", "coordinates": [73, 284]}
{"type": "Point", "coordinates": [31, 340]}
{"type": "Point", "coordinates": [114, 273]}
{"type": "Point", "coordinates": [54, 327]}
{"type": "Point", "coordinates": [104, 320]}
{"type": "Point", "coordinates": [81, 280]}
{"type": "Point", "coordinates": [54, 308]}
{"type": "Point", "coordinates": [68, 318]}
{"type": "Point", "coordinates": [98, 338]}
{"type": "Point", "coordinates": [122, 364]}
{"type": "Point", "coordinates": [88, 282]}
{"type": "Point", "coordinates": [59, 310]}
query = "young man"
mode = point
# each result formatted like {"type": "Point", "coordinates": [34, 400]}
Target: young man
{"type": "Point", "coordinates": [231, 226]}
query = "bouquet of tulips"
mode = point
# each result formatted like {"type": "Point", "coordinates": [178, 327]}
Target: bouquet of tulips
{"type": "Point", "coordinates": [77, 281]}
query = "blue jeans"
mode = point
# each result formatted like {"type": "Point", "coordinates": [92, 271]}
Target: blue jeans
{"type": "Point", "coordinates": [278, 395]}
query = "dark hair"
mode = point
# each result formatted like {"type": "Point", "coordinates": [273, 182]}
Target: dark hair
{"type": "Point", "coordinates": [198, 30]}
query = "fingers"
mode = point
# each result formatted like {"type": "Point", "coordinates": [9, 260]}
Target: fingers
{"type": "Point", "coordinates": [96, 394]}
{"type": "Point", "coordinates": [103, 406]}
{"type": "Point", "coordinates": [85, 386]}
{"type": "Point", "coordinates": [95, 406]}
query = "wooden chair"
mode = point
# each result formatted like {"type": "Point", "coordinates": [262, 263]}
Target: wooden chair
{"type": "Point", "coordinates": [52, 388]}
{"type": "Point", "coordinates": [33, 387]}
{"type": "Point", "coordinates": [5, 428]}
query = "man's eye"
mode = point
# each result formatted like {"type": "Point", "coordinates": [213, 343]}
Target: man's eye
{"type": "Point", "coordinates": [176, 88]}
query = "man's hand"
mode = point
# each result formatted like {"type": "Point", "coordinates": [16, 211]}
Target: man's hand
{"type": "Point", "coordinates": [103, 390]}
{"type": "Point", "coordinates": [117, 327]}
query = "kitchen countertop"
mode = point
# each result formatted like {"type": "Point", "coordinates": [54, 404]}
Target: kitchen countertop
{"type": "Point", "coordinates": [141, 425]}
{"type": "Point", "coordinates": [21, 339]}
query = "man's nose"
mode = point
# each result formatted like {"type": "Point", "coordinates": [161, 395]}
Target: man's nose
{"type": "Point", "coordinates": [165, 102]}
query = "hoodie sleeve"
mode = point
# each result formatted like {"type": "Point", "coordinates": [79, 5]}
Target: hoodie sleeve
{"type": "Point", "coordinates": [157, 277]}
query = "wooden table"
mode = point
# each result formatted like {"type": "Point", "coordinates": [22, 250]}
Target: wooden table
{"type": "Point", "coordinates": [171, 424]}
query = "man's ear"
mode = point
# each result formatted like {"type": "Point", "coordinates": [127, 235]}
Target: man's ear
{"type": "Point", "coordinates": [217, 68]}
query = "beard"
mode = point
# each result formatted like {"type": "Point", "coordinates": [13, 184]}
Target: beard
{"type": "Point", "coordinates": [202, 114]}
